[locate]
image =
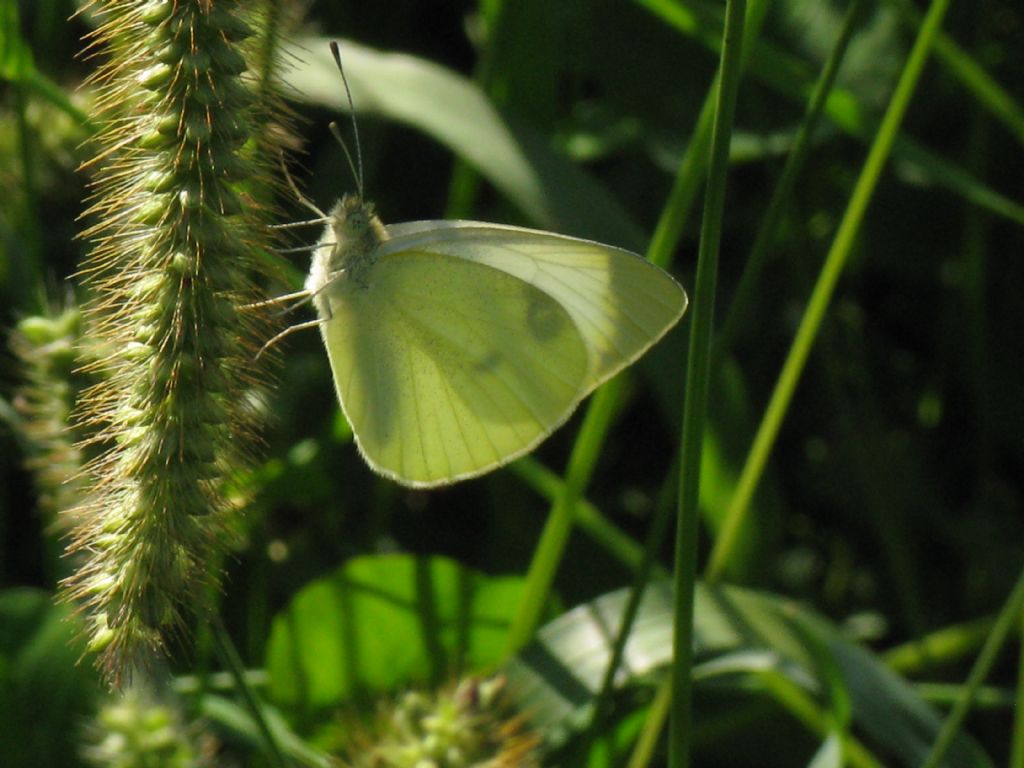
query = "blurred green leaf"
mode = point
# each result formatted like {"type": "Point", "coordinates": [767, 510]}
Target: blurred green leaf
{"type": "Point", "coordinates": [851, 107]}
{"type": "Point", "coordinates": [236, 723]}
{"type": "Point", "coordinates": [738, 633]}
{"type": "Point", "coordinates": [17, 65]}
{"type": "Point", "coordinates": [379, 622]}
{"type": "Point", "coordinates": [45, 694]}
{"type": "Point", "coordinates": [830, 755]}
{"type": "Point", "coordinates": [15, 56]}
{"type": "Point", "coordinates": [552, 192]}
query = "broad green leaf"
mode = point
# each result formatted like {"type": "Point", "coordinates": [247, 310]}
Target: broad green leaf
{"type": "Point", "coordinates": [830, 755]}
{"type": "Point", "coordinates": [739, 634]}
{"type": "Point", "coordinates": [380, 622]}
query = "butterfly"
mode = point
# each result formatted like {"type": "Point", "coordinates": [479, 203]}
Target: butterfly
{"type": "Point", "coordinates": [458, 346]}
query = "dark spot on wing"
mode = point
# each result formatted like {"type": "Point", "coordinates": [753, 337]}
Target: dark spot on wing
{"type": "Point", "coordinates": [543, 318]}
{"type": "Point", "coordinates": [489, 361]}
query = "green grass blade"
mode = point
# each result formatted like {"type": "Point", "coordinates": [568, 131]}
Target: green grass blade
{"type": "Point", "coordinates": [555, 536]}
{"type": "Point", "coordinates": [783, 190]}
{"type": "Point", "coordinates": [655, 535]}
{"type": "Point", "coordinates": [1008, 617]}
{"type": "Point", "coordinates": [604, 404]}
{"type": "Point", "coordinates": [791, 77]}
{"type": "Point", "coordinates": [996, 100]}
{"type": "Point", "coordinates": [697, 372]}
{"type": "Point", "coordinates": [944, 646]}
{"type": "Point", "coordinates": [588, 518]}
{"type": "Point", "coordinates": [943, 173]}
{"type": "Point", "coordinates": [750, 642]}
{"type": "Point", "coordinates": [1017, 743]}
{"type": "Point", "coordinates": [822, 294]}
{"type": "Point", "coordinates": [803, 707]}
{"type": "Point", "coordinates": [686, 185]}
{"type": "Point", "coordinates": [644, 749]}
{"type": "Point", "coordinates": [551, 191]}
{"type": "Point", "coordinates": [229, 657]}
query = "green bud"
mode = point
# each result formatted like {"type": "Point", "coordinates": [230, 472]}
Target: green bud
{"type": "Point", "coordinates": [156, 76]}
{"type": "Point", "coordinates": [156, 11]}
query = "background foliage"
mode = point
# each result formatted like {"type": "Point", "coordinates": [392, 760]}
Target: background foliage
{"type": "Point", "coordinates": [892, 501]}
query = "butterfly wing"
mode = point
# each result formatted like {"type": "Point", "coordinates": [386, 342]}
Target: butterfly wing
{"type": "Point", "coordinates": [472, 342]}
{"type": "Point", "coordinates": [448, 368]}
{"type": "Point", "coordinates": [621, 303]}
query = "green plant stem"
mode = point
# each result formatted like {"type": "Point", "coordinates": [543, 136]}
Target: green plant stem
{"type": "Point", "coordinates": [603, 405]}
{"type": "Point", "coordinates": [1017, 739]}
{"type": "Point", "coordinates": [804, 709]}
{"type": "Point", "coordinates": [553, 539]}
{"type": "Point", "coordinates": [786, 75]}
{"type": "Point", "coordinates": [616, 542]}
{"type": "Point", "coordinates": [787, 179]}
{"type": "Point", "coordinates": [995, 99]}
{"type": "Point", "coordinates": [684, 190]}
{"type": "Point", "coordinates": [28, 215]}
{"type": "Point", "coordinates": [985, 697]}
{"type": "Point", "coordinates": [229, 657]}
{"type": "Point", "coordinates": [674, 215]}
{"type": "Point", "coordinates": [1008, 618]}
{"type": "Point", "coordinates": [835, 262]}
{"type": "Point", "coordinates": [941, 647]}
{"type": "Point", "coordinates": [643, 750]}
{"type": "Point", "coordinates": [464, 185]}
{"type": "Point", "coordinates": [656, 534]}
{"type": "Point", "coordinates": [587, 517]}
{"type": "Point", "coordinates": [695, 407]}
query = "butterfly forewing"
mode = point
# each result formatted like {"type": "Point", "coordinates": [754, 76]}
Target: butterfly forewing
{"type": "Point", "coordinates": [621, 303]}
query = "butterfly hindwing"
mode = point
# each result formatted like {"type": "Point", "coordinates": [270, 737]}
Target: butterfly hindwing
{"type": "Point", "coordinates": [448, 367]}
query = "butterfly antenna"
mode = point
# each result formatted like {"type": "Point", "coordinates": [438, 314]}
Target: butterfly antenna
{"type": "Point", "coordinates": [348, 156]}
{"type": "Point", "coordinates": [357, 167]}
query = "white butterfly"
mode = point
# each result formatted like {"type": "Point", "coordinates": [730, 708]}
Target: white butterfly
{"type": "Point", "coordinates": [458, 346]}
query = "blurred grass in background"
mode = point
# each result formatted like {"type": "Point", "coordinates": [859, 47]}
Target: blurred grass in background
{"type": "Point", "coordinates": [892, 501]}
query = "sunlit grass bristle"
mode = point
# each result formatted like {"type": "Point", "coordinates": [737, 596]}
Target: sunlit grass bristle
{"type": "Point", "coordinates": [305, 201]}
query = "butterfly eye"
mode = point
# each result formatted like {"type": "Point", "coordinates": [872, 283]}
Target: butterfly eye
{"type": "Point", "coordinates": [356, 222]}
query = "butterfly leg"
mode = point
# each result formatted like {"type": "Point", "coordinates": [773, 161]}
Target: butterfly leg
{"type": "Point", "coordinates": [289, 331]}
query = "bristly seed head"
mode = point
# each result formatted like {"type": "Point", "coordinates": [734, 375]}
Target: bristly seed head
{"type": "Point", "coordinates": [468, 725]}
{"type": "Point", "coordinates": [173, 244]}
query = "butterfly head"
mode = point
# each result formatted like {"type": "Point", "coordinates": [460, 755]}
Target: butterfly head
{"type": "Point", "coordinates": [355, 223]}
{"type": "Point", "coordinates": [356, 232]}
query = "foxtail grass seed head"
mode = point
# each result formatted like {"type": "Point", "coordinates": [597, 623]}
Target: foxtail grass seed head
{"type": "Point", "coordinates": [466, 725]}
{"type": "Point", "coordinates": [135, 728]}
{"type": "Point", "coordinates": [175, 218]}
{"type": "Point", "coordinates": [49, 349]}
